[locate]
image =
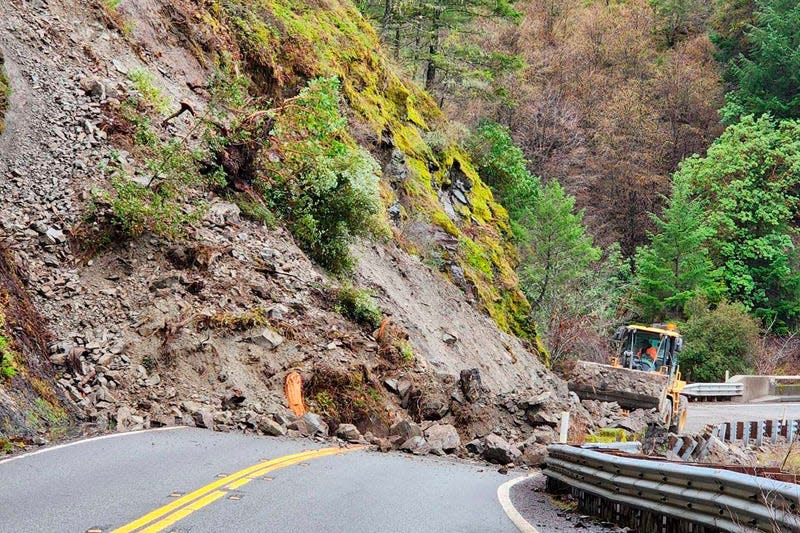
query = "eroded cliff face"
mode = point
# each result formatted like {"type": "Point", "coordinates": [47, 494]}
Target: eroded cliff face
{"type": "Point", "coordinates": [203, 329]}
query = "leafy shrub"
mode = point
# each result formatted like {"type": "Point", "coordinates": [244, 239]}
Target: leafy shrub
{"type": "Point", "coordinates": [144, 83]}
{"type": "Point", "coordinates": [323, 184]}
{"type": "Point", "coordinates": [716, 340]}
{"type": "Point", "coordinates": [360, 306]}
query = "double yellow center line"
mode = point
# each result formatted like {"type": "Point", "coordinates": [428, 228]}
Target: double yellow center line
{"type": "Point", "coordinates": [179, 509]}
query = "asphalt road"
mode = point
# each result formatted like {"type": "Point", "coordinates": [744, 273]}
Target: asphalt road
{"type": "Point", "coordinates": [703, 413]}
{"type": "Point", "coordinates": [104, 484]}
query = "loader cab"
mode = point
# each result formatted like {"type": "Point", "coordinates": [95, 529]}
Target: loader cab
{"type": "Point", "coordinates": [635, 340]}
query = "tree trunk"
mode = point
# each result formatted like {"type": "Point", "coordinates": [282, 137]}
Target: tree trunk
{"type": "Point", "coordinates": [433, 49]}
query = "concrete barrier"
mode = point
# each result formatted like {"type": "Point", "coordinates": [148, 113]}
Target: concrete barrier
{"type": "Point", "coordinates": [758, 387]}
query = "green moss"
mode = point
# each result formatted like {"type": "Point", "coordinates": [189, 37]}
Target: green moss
{"type": "Point", "coordinates": [360, 306]}
{"type": "Point", "coordinates": [444, 222]}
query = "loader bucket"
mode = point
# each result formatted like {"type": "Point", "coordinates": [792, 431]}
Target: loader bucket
{"type": "Point", "coordinates": [631, 389]}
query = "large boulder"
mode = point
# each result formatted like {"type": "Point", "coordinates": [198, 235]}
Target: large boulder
{"type": "Point", "coordinates": [416, 445]}
{"type": "Point", "coordinates": [348, 432]}
{"type": "Point", "coordinates": [443, 437]}
{"type": "Point", "coordinates": [405, 429]}
{"type": "Point", "coordinates": [268, 426]}
{"type": "Point", "coordinates": [498, 450]}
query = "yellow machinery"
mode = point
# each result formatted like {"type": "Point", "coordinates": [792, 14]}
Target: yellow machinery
{"type": "Point", "coordinates": [644, 375]}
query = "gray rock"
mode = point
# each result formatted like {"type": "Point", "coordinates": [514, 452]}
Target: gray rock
{"type": "Point", "coordinates": [443, 437]}
{"type": "Point", "coordinates": [267, 338]}
{"type": "Point", "coordinates": [433, 408]}
{"type": "Point", "coordinates": [203, 418]}
{"type": "Point", "coordinates": [544, 435]}
{"type": "Point", "coordinates": [405, 429]}
{"type": "Point", "coordinates": [416, 445]}
{"type": "Point", "coordinates": [390, 384]}
{"type": "Point", "coordinates": [123, 418]}
{"type": "Point", "coordinates": [315, 424]}
{"type": "Point", "coordinates": [498, 450]}
{"type": "Point", "coordinates": [475, 446]}
{"type": "Point", "coordinates": [268, 426]}
{"type": "Point", "coordinates": [348, 432]}
{"type": "Point", "coordinates": [534, 454]}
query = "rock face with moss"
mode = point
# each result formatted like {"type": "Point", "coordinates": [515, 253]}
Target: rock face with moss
{"type": "Point", "coordinates": [438, 207]}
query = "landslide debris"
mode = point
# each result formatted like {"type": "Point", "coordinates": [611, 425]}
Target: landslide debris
{"type": "Point", "coordinates": [202, 327]}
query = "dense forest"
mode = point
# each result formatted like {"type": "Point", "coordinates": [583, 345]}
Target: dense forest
{"type": "Point", "coordinates": [648, 155]}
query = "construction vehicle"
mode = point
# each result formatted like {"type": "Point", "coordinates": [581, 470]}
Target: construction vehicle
{"type": "Point", "coordinates": [643, 375]}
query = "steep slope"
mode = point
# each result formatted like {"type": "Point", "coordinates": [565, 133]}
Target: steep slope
{"type": "Point", "coordinates": [204, 329]}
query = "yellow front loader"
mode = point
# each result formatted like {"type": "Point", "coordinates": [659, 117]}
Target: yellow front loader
{"type": "Point", "coordinates": [643, 375]}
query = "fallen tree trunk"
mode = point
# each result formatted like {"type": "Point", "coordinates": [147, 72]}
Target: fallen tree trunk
{"type": "Point", "coordinates": [631, 389]}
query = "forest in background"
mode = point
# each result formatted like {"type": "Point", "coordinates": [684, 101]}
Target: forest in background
{"type": "Point", "coordinates": [648, 154]}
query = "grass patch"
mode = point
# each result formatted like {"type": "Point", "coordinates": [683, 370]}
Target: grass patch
{"type": "Point", "coordinates": [144, 84]}
{"type": "Point", "coordinates": [607, 435]}
{"type": "Point", "coordinates": [359, 305]}
{"type": "Point", "coordinates": [345, 397]}
{"type": "Point", "coordinates": [239, 321]}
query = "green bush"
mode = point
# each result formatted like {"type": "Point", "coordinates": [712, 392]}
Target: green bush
{"type": "Point", "coordinates": [360, 306]}
{"type": "Point", "coordinates": [716, 340]}
{"type": "Point", "coordinates": [323, 185]}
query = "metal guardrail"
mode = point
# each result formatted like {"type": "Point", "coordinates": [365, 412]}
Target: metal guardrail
{"type": "Point", "coordinates": [759, 431]}
{"type": "Point", "coordinates": [674, 495]}
{"type": "Point", "coordinates": [713, 389]}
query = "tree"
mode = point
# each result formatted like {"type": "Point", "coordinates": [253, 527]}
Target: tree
{"type": "Point", "coordinates": [768, 72]}
{"type": "Point", "coordinates": [676, 19]}
{"type": "Point", "coordinates": [716, 340]}
{"type": "Point", "coordinates": [429, 35]}
{"type": "Point", "coordinates": [750, 183]}
{"type": "Point", "coordinates": [559, 249]}
{"type": "Point", "coordinates": [676, 267]}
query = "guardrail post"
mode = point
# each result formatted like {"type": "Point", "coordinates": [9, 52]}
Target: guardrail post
{"type": "Point", "coordinates": [746, 434]}
{"type": "Point", "coordinates": [792, 429]}
{"type": "Point", "coordinates": [759, 433]}
{"type": "Point", "coordinates": [776, 430]}
{"type": "Point", "coordinates": [563, 432]}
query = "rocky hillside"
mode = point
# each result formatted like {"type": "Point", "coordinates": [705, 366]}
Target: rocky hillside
{"type": "Point", "coordinates": [176, 290]}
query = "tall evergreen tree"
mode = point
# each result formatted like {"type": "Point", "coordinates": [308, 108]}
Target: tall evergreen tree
{"type": "Point", "coordinates": [558, 250]}
{"type": "Point", "coordinates": [675, 267]}
{"type": "Point", "coordinates": [768, 72]}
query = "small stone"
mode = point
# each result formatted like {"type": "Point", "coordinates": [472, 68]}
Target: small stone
{"type": "Point", "coordinates": [203, 418]}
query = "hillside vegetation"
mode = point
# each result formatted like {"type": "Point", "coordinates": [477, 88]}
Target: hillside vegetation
{"type": "Point", "coordinates": [670, 126]}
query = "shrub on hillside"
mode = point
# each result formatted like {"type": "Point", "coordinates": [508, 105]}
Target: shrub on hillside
{"type": "Point", "coordinates": [359, 305]}
{"type": "Point", "coordinates": [716, 340]}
